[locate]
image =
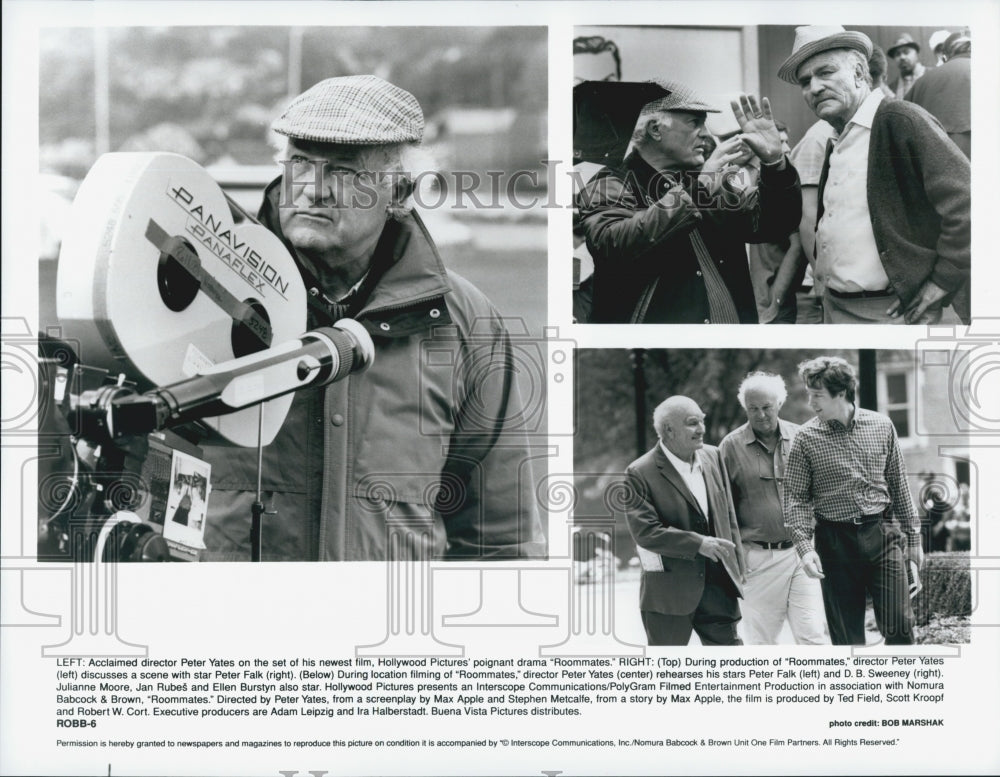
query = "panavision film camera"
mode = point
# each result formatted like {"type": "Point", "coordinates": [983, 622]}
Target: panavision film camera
{"type": "Point", "coordinates": [181, 319]}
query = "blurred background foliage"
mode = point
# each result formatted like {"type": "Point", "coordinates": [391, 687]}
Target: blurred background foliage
{"type": "Point", "coordinates": [606, 395]}
{"type": "Point", "coordinates": [211, 92]}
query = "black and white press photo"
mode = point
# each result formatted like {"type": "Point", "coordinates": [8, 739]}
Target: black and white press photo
{"type": "Point", "coordinates": [292, 283]}
{"type": "Point", "coordinates": [318, 255]}
{"type": "Point", "coordinates": [772, 174]}
{"type": "Point", "coordinates": [776, 497]}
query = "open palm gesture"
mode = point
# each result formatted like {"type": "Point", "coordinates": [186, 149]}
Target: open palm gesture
{"type": "Point", "coordinates": [757, 127]}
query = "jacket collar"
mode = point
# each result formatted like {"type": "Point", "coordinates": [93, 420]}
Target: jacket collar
{"type": "Point", "coordinates": [410, 294]}
{"type": "Point", "coordinates": [650, 182]}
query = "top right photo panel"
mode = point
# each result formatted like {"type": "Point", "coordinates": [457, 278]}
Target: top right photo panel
{"type": "Point", "coordinates": [772, 174]}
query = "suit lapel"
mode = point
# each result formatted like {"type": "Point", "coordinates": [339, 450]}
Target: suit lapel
{"type": "Point", "coordinates": [713, 480]}
{"type": "Point", "coordinates": [675, 479]}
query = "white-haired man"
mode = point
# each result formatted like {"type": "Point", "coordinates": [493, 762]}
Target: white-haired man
{"type": "Point", "coordinates": [667, 237]}
{"type": "Point", "coordinates": [427, 440]}
{"type": "Point", "coordinates": [777, 587]}
{"type": "Point", "coordinates": [681, 518]}
{"type": "Point", "coordinates": [893, 245]}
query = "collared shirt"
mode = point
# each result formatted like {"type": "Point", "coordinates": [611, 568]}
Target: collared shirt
{"type": "Point", "coordinates": [757, 476]}
{"type": "Point", "coordinates": [355, 287]}
{"type": "Point", "coordinates": [810, 152]}
{"type": "Point", "coordinates": [847, 257]}
{"type": "Point", "coordinates": [808, 157]}
{"type": "Point", "coordinates": [904, 83]}
{"type": "Point", "coordinates": [838, 473]}
{"type": "Point", "coordinates": [692, 476]}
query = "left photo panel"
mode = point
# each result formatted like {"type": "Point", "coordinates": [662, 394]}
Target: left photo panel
{"type": "Point", "coordinates": [292, 289]}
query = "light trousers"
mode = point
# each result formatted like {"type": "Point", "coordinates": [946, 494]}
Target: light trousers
{"type": "Point", "coordinates": [778, 588]}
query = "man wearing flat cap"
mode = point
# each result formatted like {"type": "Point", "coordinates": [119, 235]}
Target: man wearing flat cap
{"type": "Point", "coordinates": [667, 229]}
{"type": "Point", "coordinates": [905, 52]}
{"type": "Point", "coordinates": [427, 441]}
{"type": "Point", "coordinates": [892, 245]}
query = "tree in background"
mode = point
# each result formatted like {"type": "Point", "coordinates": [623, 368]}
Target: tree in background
{"type": "Point", "coordinates": [222, 85]}
{"type": "Point", "coordinates": [605, 406]}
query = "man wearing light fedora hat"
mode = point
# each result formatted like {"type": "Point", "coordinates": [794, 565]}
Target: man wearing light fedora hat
{"type": "Point", "coordinates": [905, 52]}
{"type": "Point", "coordinates": [892, 246]}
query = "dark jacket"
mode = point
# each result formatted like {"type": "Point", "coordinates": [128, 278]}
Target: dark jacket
{"type": "Point", "coordinates": [919, 199]}
{"type": "Point", "coordinates": [945, 92]}
{"type": "Point", "coordinates": [668, 526]}
{"type": "Point", "coordinates": [638, 225]}
{"type": "Point", "coordinates": [430, 442]}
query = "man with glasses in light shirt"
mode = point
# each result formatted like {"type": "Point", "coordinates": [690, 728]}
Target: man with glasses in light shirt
{"type": "Point", "coordinates": [777, 587]}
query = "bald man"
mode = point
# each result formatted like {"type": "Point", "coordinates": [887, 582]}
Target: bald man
{"type": "Point", "coordinates": [682, 519]}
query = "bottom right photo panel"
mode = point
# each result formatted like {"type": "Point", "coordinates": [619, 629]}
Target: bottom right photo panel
{"type": "Point", "coordinates": [778, 496]}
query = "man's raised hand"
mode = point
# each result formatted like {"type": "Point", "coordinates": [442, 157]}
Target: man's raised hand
{"type": "Point", "coordinates": [757, 127]}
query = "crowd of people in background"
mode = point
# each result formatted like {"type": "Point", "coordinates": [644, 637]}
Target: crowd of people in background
{"type": "Point", "coordinates": [682, 226]}
{"type": "Point", "coordinates": [947, 521]}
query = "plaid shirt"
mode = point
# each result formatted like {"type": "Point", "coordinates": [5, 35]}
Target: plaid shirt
{"type": "Point", "coordinates": [837, 473]}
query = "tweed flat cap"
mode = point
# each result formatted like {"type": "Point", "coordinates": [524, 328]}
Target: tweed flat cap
{"type": "Point", "coordinates": [681, 98]}
{"type": "Point", "coordinates": [353, 110]}
{"type": "Point", "coordinates": [815, 39]}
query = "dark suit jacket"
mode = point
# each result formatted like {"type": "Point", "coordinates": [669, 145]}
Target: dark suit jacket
{"type": "Point", "coordinates": [668, 525]}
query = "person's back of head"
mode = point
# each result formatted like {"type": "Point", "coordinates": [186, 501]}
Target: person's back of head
{"type": "Point", "coordinates": [878, 65]}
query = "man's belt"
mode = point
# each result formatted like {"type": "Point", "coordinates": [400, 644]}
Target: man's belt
{"type": "Point", "coordinates": [860, 294]}
{"type": "Point", "coordinates": [857, 520]}
{"type": "Point", "coordinates": [783, 545]}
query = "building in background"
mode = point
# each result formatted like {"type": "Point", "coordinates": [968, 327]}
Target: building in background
{"type": "Point", "coordinates": [922, 397]}
{"type": "Point", "coordinates": [722, 61]}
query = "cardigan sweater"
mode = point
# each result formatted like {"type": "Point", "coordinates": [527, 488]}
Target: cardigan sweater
{"type": "Point", "coordinates": [919, 198]}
